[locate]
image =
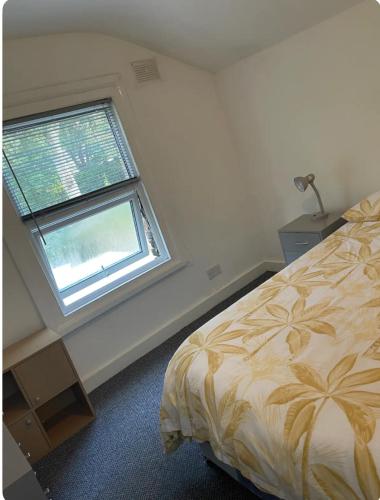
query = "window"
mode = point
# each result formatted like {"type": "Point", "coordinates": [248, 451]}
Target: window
{"type": "Point", "coordinates": [73, 180]}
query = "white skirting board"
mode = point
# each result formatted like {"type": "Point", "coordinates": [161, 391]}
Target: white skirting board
{"type": "Point", "coordinates": [115, 365]}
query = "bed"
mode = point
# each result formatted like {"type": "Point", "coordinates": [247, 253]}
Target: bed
{"type": "Point", "coordinates": [284, 385]}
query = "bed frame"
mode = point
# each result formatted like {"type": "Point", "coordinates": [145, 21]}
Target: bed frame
{"type": "Point", "coordinates": [234, 473]}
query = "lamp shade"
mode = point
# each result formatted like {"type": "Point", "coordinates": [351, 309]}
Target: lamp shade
{"type": "Point", "coordinates": [301, 183]}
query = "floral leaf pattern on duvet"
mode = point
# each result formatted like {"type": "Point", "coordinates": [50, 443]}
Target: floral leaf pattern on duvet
{"type": "Point", "coordinates": [302, 280]}
{"type": "Point", "coordinates": [309, 396]}
{"type": "Point", "coordinates": [261, 382]}
{"type": "Point", "coordinates": [365, 260]}
{"type": "Point", "coordinates": [301, 320]}
{"type": "Point", "coordinates": [361, 233]}
{"type": "Point", "coordinates": [332, 484]}
{"type": "Point", "coordinates": [366, 210]}
{"type": "Point", "coordinates": [357, 232]}
{"type": "Point", "coordinates": [373, 303]}
{"type": "Point", "coordinates": [247, 458]}
{"type": "Point", "coordinates": [373, 352]}
{"type": "Point", "coordinates": [215, 345]}
{"type": "Point", "coordinates": [223, 418]}
{"type": "Point", "coordinates": [368, 477]}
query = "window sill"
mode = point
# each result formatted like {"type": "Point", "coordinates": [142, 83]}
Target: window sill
{"type": "Point", "coordinates": [67, 324]}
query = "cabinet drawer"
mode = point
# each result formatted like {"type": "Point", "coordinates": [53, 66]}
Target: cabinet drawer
{"type": "Point", "coordinates": [299, 242]}
{"type": "Point", "coordinates": [31, 440]}
{"type": "Point", "coordinates": [291, 256]}
{"type": "Point", "coordinates": [45, 374]}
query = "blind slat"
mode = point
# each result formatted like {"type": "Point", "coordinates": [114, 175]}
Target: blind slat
{"type": "Point", "coordinates": [28, 144]}
{"type": "Point", "coordinates": [58, 114]}
{"type": "Point", "coordinates": [65, 155]}
{"type": "Point", "coordinates": [64, 178]}
{"type": "Point", "coordinates": [97, 117]}
{"type": "Point", "coordinates": [57, 153]}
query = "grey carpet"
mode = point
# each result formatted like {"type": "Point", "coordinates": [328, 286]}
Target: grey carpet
{"type": "Point", "coordinates": [119, 456]}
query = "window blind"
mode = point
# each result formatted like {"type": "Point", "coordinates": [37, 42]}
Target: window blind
{"type": "Point", "coordinates": [62, 157]}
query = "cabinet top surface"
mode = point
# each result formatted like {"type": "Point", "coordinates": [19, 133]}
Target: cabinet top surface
{"type": "Point", "coordinates": [24, 348]}
{"type": "Point", "coordinates": [306, 224]}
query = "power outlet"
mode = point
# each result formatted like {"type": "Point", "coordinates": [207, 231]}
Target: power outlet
{"type": "Point", "coordinates": [214, 271]}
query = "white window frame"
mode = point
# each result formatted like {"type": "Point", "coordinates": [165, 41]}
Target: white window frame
{"type": "Point", "coordinates": [79, 214]}
{"type": "Point", "coordinates": [19, 238]}
{"type": "Point", "coordinates": [133, 193]}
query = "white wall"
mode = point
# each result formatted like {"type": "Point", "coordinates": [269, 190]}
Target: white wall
{"type": "Point", "coordinates": [192, 172]}
{"type": "Point", "coordinates": [20, 317]}
{"type": "Point", "coordinates": [309, 104]}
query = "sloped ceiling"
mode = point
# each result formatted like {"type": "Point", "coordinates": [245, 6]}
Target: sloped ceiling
{"type": "Point", "coordinates": [210, 34]}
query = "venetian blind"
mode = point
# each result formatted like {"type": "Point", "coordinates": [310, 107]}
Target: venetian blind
{"type": "Point", "coordinates": [62, 157]}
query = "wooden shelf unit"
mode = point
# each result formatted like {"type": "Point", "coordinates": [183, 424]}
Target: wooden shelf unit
{"type": "Point", "coordinates": [15, 405]}
{"type": "Point", "coordinates": [44, 402]}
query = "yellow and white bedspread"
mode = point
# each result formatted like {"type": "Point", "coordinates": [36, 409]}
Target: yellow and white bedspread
{"type": "Point", "coordinates": [285, 384]}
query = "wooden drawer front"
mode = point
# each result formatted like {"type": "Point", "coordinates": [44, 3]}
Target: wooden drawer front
{"type": "Point", "coordinates": [27, 433]}
{"type": "Point", "coordinates": [299, 243]}
{"type": "Point", "coordinates": [45, 374]}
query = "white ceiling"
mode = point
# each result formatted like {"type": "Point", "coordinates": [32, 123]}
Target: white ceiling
{"type": "Point", "coordinates": [208, 33]}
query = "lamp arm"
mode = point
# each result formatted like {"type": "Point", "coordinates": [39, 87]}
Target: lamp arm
{"type": "Point", "coordinates": [318, 198]}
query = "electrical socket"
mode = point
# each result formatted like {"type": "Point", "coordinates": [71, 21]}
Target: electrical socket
{"type": "Point", "coordinates": [214, 271]}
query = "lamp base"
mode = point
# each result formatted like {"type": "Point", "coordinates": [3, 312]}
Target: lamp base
{"type": "Point", "coordinates": [319, 216]}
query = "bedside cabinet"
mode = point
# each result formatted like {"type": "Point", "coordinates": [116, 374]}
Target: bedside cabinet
{"type": "Point", "coordinates": [44, 402]}
{"type": "Point", "coordinates": [302, 234]}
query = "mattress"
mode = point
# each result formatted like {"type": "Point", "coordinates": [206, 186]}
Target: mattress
{"type": "Point", "coordinates": [285, 383]}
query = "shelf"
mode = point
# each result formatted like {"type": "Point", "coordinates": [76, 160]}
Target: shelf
{"type": "Point", "coordinates": [67, 423]}
{"type": "Point", "coordinates": [44, 402]}
{"type": "Point", "coordinates": [14, 408]}
{"type": "Point", "coordinates": [65, 415]}
{"type": "Point", "coordinates": [15, 405]}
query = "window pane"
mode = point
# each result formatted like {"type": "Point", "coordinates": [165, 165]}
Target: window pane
{"type": "Point", "coordinates": [91, 245]}
{"type": "Point", "coordinates": [64, 157]}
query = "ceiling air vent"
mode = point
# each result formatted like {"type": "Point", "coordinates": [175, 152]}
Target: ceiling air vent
{"type": "Point", "coordinates": [146, 70]}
